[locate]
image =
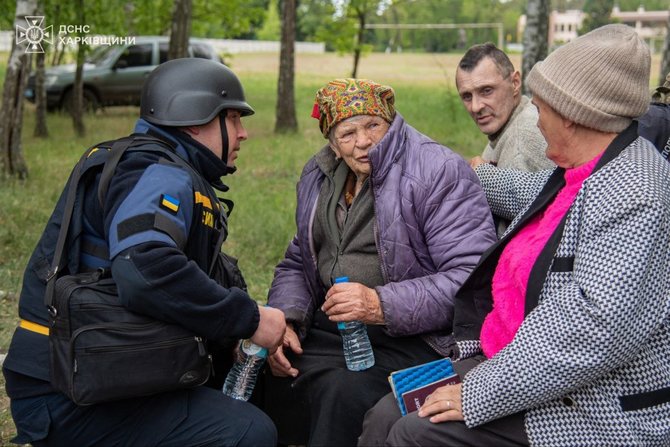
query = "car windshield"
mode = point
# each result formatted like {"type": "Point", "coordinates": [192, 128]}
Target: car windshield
{"type": "Point", "coordinates": [100, 55]}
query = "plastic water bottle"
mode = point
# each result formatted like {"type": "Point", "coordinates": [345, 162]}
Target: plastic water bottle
{"type": "Point", "coordinates": [242, 376]}
{"type": "Point", "coordinates": [355, 341]}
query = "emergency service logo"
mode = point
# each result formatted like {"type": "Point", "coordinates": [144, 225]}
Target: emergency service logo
{"type": "Point", "coordinates": [34, 34]}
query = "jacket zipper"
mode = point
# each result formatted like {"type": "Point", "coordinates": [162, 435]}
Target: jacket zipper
{"type": "Point", "coordinates": [385, 275]}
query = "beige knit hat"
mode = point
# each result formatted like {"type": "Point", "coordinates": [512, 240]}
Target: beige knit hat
{"type": "Point", "coordinates": [599, 80]}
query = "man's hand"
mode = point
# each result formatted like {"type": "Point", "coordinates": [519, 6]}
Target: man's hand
{"type": "Point", "coordinates": [279, 364]}
{"type": "Point", "coordinates": [476, 161]}
{"type": "Point", "coordinates": [352, 301]}
{"type": "Point", "coordinates": [271, 328]}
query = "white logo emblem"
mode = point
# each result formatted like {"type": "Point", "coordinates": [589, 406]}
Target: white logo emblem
{"type": "Point", "coordinates": [34, 34]}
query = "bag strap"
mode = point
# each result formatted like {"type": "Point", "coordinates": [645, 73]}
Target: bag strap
{"type": "Point", "coordinates": [115, 157]}
{"type": "Point", "coordinates": [117, 150]}
{"type": "Point", "coordinates": [119, 145]}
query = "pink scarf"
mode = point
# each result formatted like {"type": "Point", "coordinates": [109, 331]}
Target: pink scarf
{"type": "Point", "coordinates": [510, 279]}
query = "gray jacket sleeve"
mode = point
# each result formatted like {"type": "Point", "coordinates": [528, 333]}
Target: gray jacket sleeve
{"type": "Point", "coordinates": [510, 191]}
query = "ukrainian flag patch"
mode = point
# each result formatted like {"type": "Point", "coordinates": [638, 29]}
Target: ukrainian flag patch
{"type": "Point", "coordinates": [170, 203]}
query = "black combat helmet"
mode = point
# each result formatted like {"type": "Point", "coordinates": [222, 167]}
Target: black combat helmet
{"type": "Point", "coordinates": [190, 92]}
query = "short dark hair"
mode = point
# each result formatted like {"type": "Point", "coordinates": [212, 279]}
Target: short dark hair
{"type": "Point", "coordinates": [477, 53]}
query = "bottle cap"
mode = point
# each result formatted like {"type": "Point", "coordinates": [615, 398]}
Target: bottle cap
{"type": "Point", "coordinates": [339, 279]}
{"type": "Point", "coordinates": [251, 348]}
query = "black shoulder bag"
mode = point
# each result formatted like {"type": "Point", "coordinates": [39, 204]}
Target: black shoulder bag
{"type": "Point", "coordinates": [100, 351]}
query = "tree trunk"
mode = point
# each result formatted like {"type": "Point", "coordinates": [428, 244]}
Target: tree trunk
{"type": "Point", "coordinates": [665, 61]}
{"type": "Point", "coordinates": [286, 119]}
{"type": "Point", "coordinates": [41, 130]}
{"type": "Point", "coordinates": [77, 107]}
{"type": "Point", "coordinates": [12, 162]}
{"type": "Point", "coordinates": [535, 36]}
{"type": "Point", "coordinates": [58, 49]}
{"type": "Point", "coordinates": [360, 14]}
{"type": "Point", "coordinates": [397, 39]}
{"type": "Point", "coordinates": [181, 29]}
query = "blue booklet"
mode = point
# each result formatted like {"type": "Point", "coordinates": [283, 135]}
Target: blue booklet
{"type": "Point", "coordinates": [405, 381]}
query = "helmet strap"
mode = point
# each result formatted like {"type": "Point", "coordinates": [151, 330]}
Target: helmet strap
{"type": "Point", "coordinates": [224, 135]}
{"type": "Point", "coordinates": [224, 141]}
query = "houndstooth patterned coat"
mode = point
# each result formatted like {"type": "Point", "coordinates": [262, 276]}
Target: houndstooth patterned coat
{"type": "Point", "coordinates": [590, 365]}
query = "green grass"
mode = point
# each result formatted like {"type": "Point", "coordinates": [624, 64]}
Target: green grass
{"type": "Point", "coordinates": [263, 188]}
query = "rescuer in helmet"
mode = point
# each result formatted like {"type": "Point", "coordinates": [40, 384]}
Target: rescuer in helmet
{"type": "Point", "coordinates": [158, 226]}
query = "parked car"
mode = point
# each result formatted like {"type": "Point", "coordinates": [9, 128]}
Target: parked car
{"type": "Point", "coordinates": [113, 75]}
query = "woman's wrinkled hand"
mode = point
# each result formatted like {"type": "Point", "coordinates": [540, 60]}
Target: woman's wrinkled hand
{"type": "Point", "coordinates": [279, 364]}
{"type": "Point", "coordinates": [444, 404]}
{"type": "Point", "coordinates": [352, 301]}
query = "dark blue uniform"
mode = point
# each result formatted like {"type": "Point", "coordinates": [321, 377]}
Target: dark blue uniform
{"type": "Point", "coordinates": [655, 127]}
{"type": "Point", "coordinates": [158, 230]}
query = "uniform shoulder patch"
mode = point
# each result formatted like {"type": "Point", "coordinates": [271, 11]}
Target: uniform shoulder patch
{"type": "Point", "coordinates": [169, 203]}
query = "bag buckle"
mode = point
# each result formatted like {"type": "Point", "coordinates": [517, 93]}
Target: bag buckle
{"type": "Point", "coordinates": [52, 273]}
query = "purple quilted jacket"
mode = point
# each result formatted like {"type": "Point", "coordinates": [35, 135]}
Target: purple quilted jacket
{"type": "Point", "coordinates": [432, 225]}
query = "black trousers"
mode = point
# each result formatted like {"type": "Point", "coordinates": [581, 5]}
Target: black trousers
{"type": "Point", "coordinates": [385, 426]}
{"type": "Point", "coordinates": [326, 403]}
{"type": "Point", "coordinates": [197, 417]}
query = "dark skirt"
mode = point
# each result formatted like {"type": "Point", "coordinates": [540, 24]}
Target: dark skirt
{"type": "Point", "coordinates": [326, 403]}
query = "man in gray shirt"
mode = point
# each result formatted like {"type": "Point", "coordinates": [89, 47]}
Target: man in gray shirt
{"type": "Point", "coordinates": [490, 89]}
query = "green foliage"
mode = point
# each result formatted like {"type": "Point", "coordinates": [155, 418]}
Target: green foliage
{"type": "Point", "coordinates": [148, 17]}
{"type": "Point", "coordinates": [443, 12]}
{"type": "Point", "coordinates": [331, 21]}
{"type": "Point", "coordinates": [7, 13]}
{"type": "Point", "coordinates": [271, 29]}
{"type": "Point", "coordinates": [3, 68]}
{"type": "Point", "coordinates": [211, 18]}
{"type": "Point", "coordinates": [598, 14]}
{"type": "Point", "coordinates": [339, 23]}
{"type": "Point", "coordinates": [228, 18]}
{"type": "Point", "coordinates": [649, 5]}
{"type": "Point", "coordinates": [338, 34]}
{"type": "Point", "coordinates": [317, 21]}
{"type": "Point", "coordinates": [311, 16]}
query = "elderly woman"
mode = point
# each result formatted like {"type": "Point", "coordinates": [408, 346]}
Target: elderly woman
{"type": "Point", "coordinates": [571, 308]}
{"type": "Point", "coordinates": [406, 220]}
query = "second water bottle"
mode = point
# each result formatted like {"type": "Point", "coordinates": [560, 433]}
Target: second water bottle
{"type": "Point", "coordinates": [242, 377]}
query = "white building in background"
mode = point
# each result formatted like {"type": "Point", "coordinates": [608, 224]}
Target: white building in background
{"type": "Point", "coordinates": [564, 26]}
{"type": "Point", "coordinates": [650, 25]}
